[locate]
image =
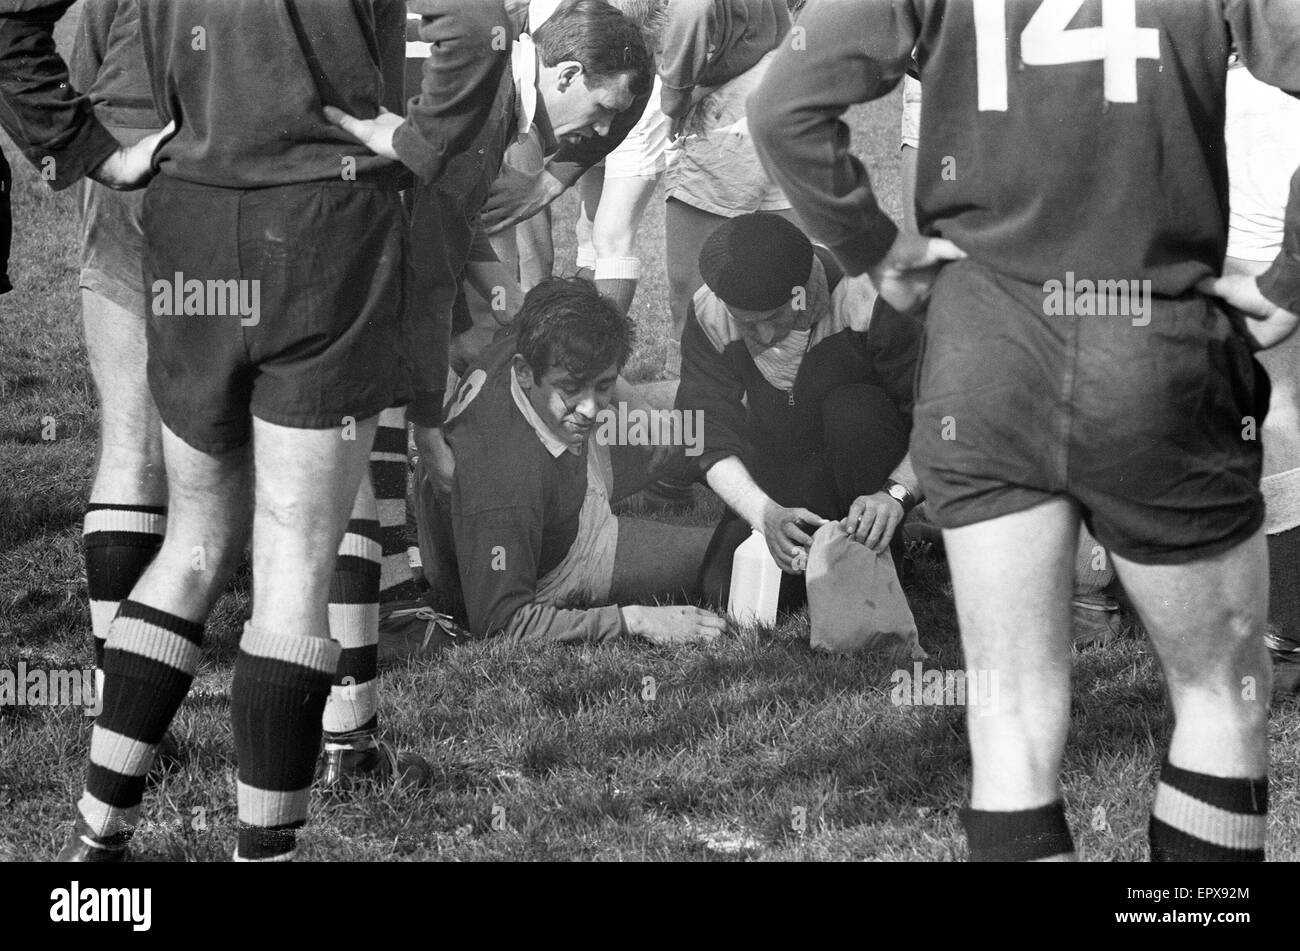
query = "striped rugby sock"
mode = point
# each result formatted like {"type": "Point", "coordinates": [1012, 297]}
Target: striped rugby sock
{"type": "Point", "coordinates": [1201, 818]}
{"type": "Point", "coordinates": [148, 667]}
{"type": "Point", "coordinates": [388, 475]}
{"type": "Point", "coordinates": [118, 542]}
{"type": "Point", "coordinates": [276, 701]}
{"type": "Point", "coordinates": [353, 705]}
{"type": "Point", "coordinates": [1027, 835]}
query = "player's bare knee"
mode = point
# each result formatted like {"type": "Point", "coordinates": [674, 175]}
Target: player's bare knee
{"type": "Point", "coordinates": [200, 563]}
{"type": "Point", "coordinates": [1240, 630]}
{"type": "Point", "coordinates": [292, 513]}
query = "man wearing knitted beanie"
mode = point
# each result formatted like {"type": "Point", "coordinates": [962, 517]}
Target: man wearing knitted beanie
{"type": "Point", "coordinates": [804, 382]}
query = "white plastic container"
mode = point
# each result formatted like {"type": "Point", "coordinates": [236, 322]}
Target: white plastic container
{"type": "Point", "coordinates": [755, 583]}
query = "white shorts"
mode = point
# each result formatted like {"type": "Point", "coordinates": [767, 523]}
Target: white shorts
{"type": "Point", "coordinates": [644, 153]}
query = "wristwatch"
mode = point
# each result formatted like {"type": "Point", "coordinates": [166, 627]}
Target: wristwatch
{"type": "Point", "coordinates": [902, 494]}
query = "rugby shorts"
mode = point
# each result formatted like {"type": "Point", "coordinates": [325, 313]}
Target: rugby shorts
{"type": "Point", "coordinates": [323, 261]}
{"type": "Point", "coordinates": [1149, 422]}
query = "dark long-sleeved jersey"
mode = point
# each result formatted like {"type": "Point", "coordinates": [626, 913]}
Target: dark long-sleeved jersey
{"type": "Point", "coordinates": [108, 64]}
{"type": "Point", "coordinates": [707, 42]}
{"type": "Point", "coordinates": [249, 115]}
{"type": "Point", "coordinates": [42, 112]}
{"type": "Point", "coordinates": [515, 510]}
{"type": "Point", "coordinates": [1057, 134]}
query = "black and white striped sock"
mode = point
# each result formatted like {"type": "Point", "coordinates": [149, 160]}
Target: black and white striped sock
{"type": "Point", "coordinates": [277, 697]}
{"type": "Point", "coordinates": [118, 543]}
{"type": "Point", "coordinates": [353, 704]}
{"type": "Point", "coordinates": [388, 475]}
{"type": "Point", "coordinates": [148, 667]}
{"type": "Point", "coordinates": [1202, 818]}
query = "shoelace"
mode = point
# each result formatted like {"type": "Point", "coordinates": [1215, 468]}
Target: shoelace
{"type": "Point", "coordinates": [1278, 644]}
{"type": "Point", "coordinates": [435, 620]}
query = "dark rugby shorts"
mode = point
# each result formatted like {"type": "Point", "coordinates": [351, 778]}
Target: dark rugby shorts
{"type": "Point", "coordinates": [327, 341]}
{"type": "Point", "coordinates": [1152, 429]}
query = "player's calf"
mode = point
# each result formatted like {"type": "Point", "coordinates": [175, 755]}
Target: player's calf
{"type": "Point", "coordinates": [1206, 620]}
{"type": "Point", "coordinates": [307, 483]}
{"type": "Point", "coordinates": [353, 751]}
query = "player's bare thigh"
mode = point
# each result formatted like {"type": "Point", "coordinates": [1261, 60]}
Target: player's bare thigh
{"type": "Point", "coordinates": [131, 437]}
{"type": "Point", "coordinates": [306, 485]}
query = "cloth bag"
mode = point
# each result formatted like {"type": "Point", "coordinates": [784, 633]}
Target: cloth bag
{"type": "Point", "coordinates": [855, 600]}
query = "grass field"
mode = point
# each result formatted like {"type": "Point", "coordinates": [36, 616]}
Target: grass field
{"type": "Point", "coordinates": [756, 749]}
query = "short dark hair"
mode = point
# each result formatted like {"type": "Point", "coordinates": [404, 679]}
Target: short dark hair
{"type": "Point", "coordinates": [565, 322]}
{"type": "Point", "coordinates": [649, 17]}
{"type": "Point", "coordinates": [602, 39]}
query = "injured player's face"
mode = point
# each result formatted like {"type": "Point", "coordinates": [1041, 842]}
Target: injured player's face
{"type": "Point", "coordinates": [568, 404]}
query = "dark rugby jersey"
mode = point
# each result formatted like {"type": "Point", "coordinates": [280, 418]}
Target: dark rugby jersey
{"type": "Point", "coordinates": [514, 511]}
{"type": "Point", "coordinates": [108, 63]}
{"type": "Point", "coordinates": [1052, 139]}
{"type": "Point", "coordinates": [247, 81]}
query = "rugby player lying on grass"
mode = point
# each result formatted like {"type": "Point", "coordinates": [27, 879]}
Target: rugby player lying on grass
{"type": "Point", "coordinates": [530, 500]}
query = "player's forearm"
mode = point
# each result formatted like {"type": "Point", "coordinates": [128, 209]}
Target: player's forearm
{"type": "Point", "coordinates": [851, 53]}
{"type": "Point", "coordinates": [492, 281]}
{"type": "Point", "coordinates": [906, 476]}
{"type": "Point", "coordinates": [683, 53]}
{"type": "Point", "coordinates": [547, 189]}
{"type": "Point", "coordinates": [459, 84]}
{"type": "Point", "coordinates": [735, 486]}
{"type": "Point", "coordinates": [51, 123]}
{"type": "Point", "coordinates": [539, 623]}
{"type": "Point", "coordinates": [428, 375]}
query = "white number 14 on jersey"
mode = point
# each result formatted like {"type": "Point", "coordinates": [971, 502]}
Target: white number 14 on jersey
{"type": "Point", "coordinates": [1047, 41]}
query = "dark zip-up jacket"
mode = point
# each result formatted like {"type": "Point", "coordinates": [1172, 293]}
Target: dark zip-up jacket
{"type": "Point", "coordinates": [772, 430]}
